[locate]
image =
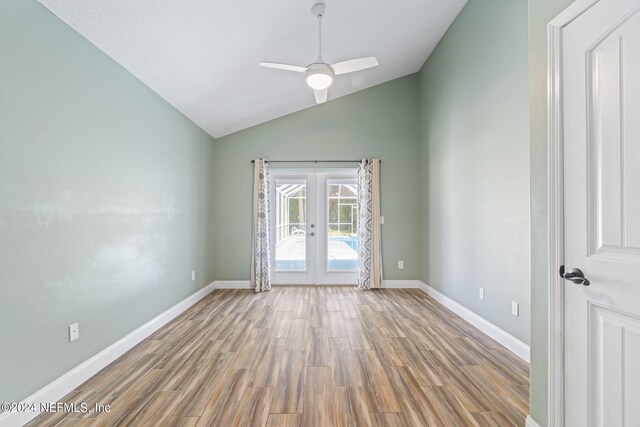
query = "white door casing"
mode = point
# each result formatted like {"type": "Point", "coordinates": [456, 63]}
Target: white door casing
{"type": "Point", "coordinates": [597, 78]}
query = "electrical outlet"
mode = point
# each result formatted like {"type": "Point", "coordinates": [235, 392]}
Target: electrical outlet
{"type": "Point", "coordinates": [515, 308]}
{"type": "Point", "coordinates": [481, 293]}
{"type": "Point", "coordinates": [193, 275]}
{"type": "Point", "coordinates": [381, 220]}
{"type": "Point", "coordinates": [74, 332]}
{"type": "Point", "coordinates": [400, 265]}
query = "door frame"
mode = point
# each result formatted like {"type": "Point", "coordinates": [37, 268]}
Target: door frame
{"type": "Point", "coordinates": [555, 197]}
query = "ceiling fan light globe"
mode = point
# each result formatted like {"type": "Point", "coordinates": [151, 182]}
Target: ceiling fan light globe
{"type": "Point", "coordinates": [319, 76]}
{"type": "Point", "coordinates": [319, 80]}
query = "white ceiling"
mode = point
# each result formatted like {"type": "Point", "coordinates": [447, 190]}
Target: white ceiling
{"type": "Point", "coordinates": [202, 55]}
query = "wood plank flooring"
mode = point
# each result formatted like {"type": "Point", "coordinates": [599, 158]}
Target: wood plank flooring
{"type": "Point", "coordinates": [309, 356]}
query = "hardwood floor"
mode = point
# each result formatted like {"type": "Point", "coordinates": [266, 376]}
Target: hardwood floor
{"type": "Point", "coordinates": [309, 356]}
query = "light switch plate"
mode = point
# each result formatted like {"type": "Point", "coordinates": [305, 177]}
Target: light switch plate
{"type": "Point", "coordinates": [193, 275]}
{"type": "Point", "coordinates": [481, 293]}
{"type": "Point", "coordinates": [515, 308]}
{"type": "Point", "coordinates": [400, 265]}
{"type": "Point", "coordinates": [381, 220]}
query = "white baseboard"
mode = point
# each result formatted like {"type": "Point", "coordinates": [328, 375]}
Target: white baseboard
{"type": "Point", "coordinates": [512, 344]}
{"type": "Point", "coordinates": [232, 284]}
{"type": "Point", "coordinates": [529, 422]}
{"type": "Point", "coordinates": [389, 284]}
{"type": "Point", "coordinates": [72, 379]}
{"type": "Point", "coordinates": [401, 284]}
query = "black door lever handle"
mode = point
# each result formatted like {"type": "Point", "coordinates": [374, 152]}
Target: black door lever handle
{"type": "Point", "coordinates": [574, 275]}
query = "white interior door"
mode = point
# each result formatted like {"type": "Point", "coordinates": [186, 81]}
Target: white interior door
{"type": "Point", "coordinates": [314, 227]}
{"type": "Point", "coordinates": [601, 118]}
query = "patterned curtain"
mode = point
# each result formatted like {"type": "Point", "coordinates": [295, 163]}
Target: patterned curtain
{"type": "Point", "coordinates": [369, 252]}
{"type": "Point", "coordinates": [260, 259]}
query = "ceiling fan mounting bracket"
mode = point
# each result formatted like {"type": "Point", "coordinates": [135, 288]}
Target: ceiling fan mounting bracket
{"type": "Point", "coordinates": [318, 9]}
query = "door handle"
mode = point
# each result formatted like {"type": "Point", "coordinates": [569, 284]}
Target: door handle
{"type": "Point", "coordinates": [574, 275]}
{"type": "Point", "coordinates": [311, 234]}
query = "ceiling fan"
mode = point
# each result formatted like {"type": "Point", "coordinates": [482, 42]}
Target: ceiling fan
{"type": "Point", "coordinates": [319, 74]}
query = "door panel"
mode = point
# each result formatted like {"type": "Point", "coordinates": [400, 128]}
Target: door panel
{"type": "Point", "coordinates": [615, 370]}
{"type": "Point", "coordinates": [293, 217]}
{"type": "Point", "coordinates": [614, 128]}
{"type": "Point", "coordinates": [601, 109]}
{"type": "Point", "coordinates": [338, 249]}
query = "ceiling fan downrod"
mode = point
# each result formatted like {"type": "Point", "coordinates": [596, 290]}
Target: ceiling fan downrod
{"type": "Point", "coordinates": [318, 11]}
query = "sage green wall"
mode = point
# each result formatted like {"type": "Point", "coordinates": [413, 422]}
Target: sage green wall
{"type": "Point", "coordinates": [105, 189]}
{"type": "Point", "coordinates": [475, 163]}
{"type": "Point", "coordinates": [104, 200]}
{"type": "Point", "coordinates": [380, 122]}
{"type": "Point", "coordinates": [540, 13]}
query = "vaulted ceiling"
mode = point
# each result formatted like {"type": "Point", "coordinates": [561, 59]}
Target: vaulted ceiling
{"type": "Point", "coordinates": [202, 56]}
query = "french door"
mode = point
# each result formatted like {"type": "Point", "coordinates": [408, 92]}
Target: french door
{"type": "Point", "coordinates": [314, 227]}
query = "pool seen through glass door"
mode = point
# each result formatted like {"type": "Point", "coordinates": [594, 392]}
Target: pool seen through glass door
{"type": "Point", "coordinates": [314, 225]}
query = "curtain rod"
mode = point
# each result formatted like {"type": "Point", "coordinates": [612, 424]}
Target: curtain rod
{"type": "Point", "coordinates": [313, 161]}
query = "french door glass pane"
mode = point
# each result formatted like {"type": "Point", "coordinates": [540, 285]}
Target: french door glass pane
{"type": "Point", "coordinates": [291, 236]}
{"type": "Point", "coordinates": [342, 225]}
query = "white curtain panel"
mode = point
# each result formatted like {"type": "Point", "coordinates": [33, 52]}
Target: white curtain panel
{"type": "Point", "coordinates": [369, 251]}
{"type": "Point", "coordinates": [260, 259]}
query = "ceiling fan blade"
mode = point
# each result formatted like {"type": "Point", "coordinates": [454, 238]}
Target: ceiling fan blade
{"type": "Point", "coordinates": [321, 96]}
{"type": "Point", "coordinates": [285, 67]}
{"type": "Point", "coordinates": [352, 65]}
